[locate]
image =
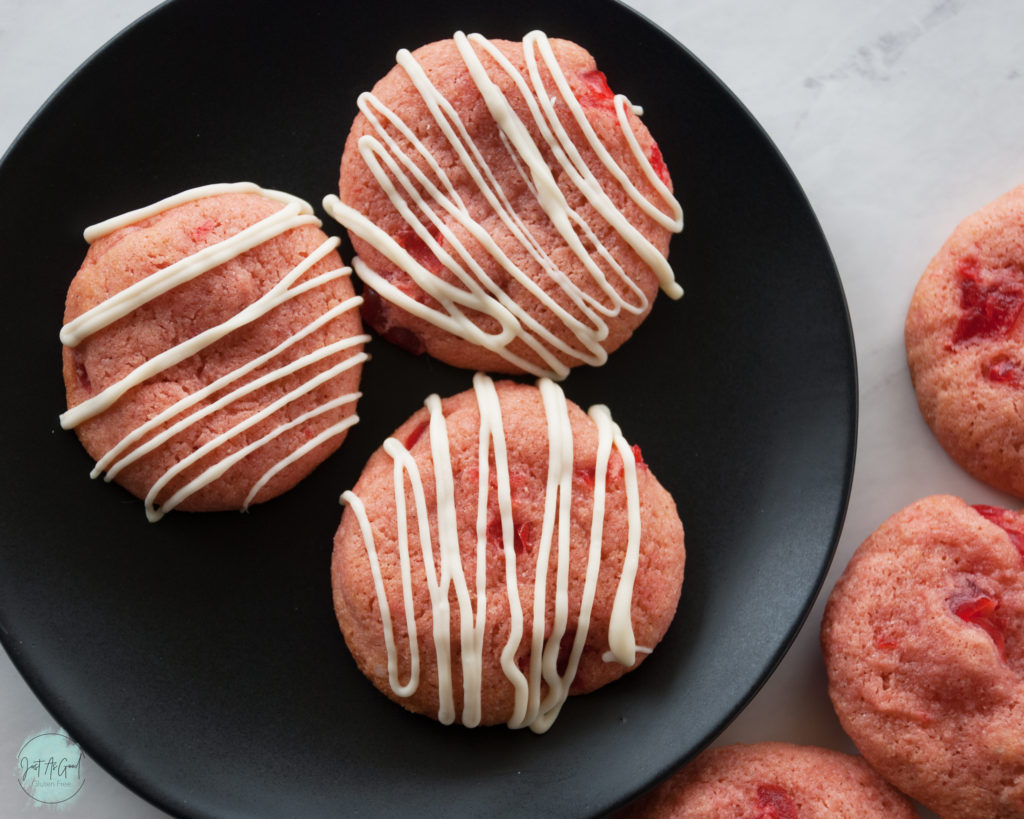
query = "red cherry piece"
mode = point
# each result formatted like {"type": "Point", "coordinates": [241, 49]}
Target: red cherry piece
{"type": "Point", "coordinates": [419, 250]}
{"type": "Point", "coordinates": [988, 309]}
{"type": "Point", "coordinates": [638, 456]}
{"type": "Point", "coordinates": [658, 162]}
{"type": "Point", "coordinates": [616, 468]}
{"type": "Point", "coordinates": [584, 474]}
{"type": "Point", "coordinates": [82, 374]}
{"type": "Point", "coordinates": [522, 536]}
{"type": "Point", "coordinates": [1006, 371]}
{"type": "Point", "coordinates": [518, 482]}
{"type": "Point", "coordinates": [564, 650]}
{"type": "Point", "coordinates": [406, 339]}
{"type": "Point", "coordinates": [981, 611]}
{"type": "Point", "coordinates": [375, 314]}
{"type": "Point", "coordinates": [774, 802]}
{"type": "Point", "coordinates": [373, 309]}
{"type": "Point", "coordinates": [200, 230]}
{"type": "Point", "coordinates": [494, 534]}
{"type": "Point", "coordinates": [1010, 522]}
{"type": "Point", "coordinates": [596, 93]}
{"type": "Point", "coordinates": [414, 436]}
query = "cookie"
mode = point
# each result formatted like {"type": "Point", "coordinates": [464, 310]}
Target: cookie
{"type": "Point", "coordinates": [501, 551]}
{"type": "Point", "coordinates": [772, 780]}
{"type": "Point", "coordinates": [212, 348]}
{"type": "Point", "coordinates": [508, 211]}
{"type": "Point", "coordinates": [923, 638]}
{"type": "Point", "coordinates": [964, 344]}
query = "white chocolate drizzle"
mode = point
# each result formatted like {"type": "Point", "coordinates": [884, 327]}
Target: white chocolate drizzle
{"type": "Point", "coordinates": [446, 579]}
{"type": "Point", "coordinates": [425, 200]}
{"type": "Point", "coordinates": [293, 213]}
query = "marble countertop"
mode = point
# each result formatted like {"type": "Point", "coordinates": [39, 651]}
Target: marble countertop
{"type": "Point", "coordinates": [899, 118]}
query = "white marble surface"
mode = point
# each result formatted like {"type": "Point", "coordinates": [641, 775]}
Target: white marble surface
{"type": "Point", "coordinates": [899, 117]}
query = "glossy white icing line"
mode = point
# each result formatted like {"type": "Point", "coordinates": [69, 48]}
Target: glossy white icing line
{"type": "Point", "coordinates": [373, 154]}
{"type": "Point", "coordinates": [429, 203]}
{"type": "Point", "coordinates": [539, 176]}
{"type": "Point", "coordinates": [446, 577]}
{"type": "Point", "coordinates": [609, 657]}
{"type": "Point", "coordinates": [97, 231]}
{"type": "Point", "coordinates": [557, 693]}
{"type": "Point", "coordinates": [405, 465]}
{"type": "Point", "coordinates": [620, 629]}
{"type": "Point", "coordinates": [293, 213]}
{"type": "Point", "coordinates": [492, 441]}
{"type": "Point", "coordinates": [675, 223]}
{"type": "Point", "coordinates": [555, 532]}
{"type": "Point", "coordinates": [409, 688]}
{"type": "Point", "coordinates": [452, 570]}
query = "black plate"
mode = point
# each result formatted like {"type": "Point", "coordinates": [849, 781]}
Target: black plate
{"type": "Point", "coordinates": [198, 659]}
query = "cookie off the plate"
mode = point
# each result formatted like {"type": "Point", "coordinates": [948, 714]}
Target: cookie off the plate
{"type": "Point", "coordinates": [923, 637]}
{"type": "Point", "coordinates": [965, 343]}
{"type": "Point", "coordinates": [772, 780]}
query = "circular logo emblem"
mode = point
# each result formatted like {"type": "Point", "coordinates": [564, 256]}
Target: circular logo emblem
{"type": "Point", "coordinates": [50, 768]}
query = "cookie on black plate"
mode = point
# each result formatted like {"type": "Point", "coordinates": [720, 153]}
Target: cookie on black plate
{"type": "Point", "coordinates": [502, 550]}
{"type": "Point", "coordinates": [508, 211]}
{"type": "Point", "coordinates": [212, 348]}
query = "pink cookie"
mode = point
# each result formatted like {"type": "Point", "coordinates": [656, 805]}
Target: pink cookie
{"type": "Point", "coordinates": [549, 566]}
{"type": "Point", "coordinates": [213, 348]}
{"type": "Point", "coordinates": [509, 212]}
{"type": "Point", "coordinates": [964, 343]}
{"type": "Point", "coordinates": [923, 638]}
{"type": "Point", "coordinates": [773, 780]}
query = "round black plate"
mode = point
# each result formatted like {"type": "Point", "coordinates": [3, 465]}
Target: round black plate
{"type": "Point", "coordinates": [198, 658]}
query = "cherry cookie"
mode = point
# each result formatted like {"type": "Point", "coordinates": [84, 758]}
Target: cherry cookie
{"type": "Point", "coordinates": [773, 780]}
{"type": "Point", "coordinates": [508, 211]}
{"type": "Point", "coordinates": [965, 344]}
{"type": "Point", "coordinates": [923, 638]}
{"type": "Point", "coordinates": [501, 551]}
{"type": "Point", "coordinates": [212, 348]}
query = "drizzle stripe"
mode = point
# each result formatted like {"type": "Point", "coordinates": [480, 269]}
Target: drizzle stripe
{"type": "Point", "coordinates": [409, 688]}
{"type": "Point", "coordinates": [101, 229]}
